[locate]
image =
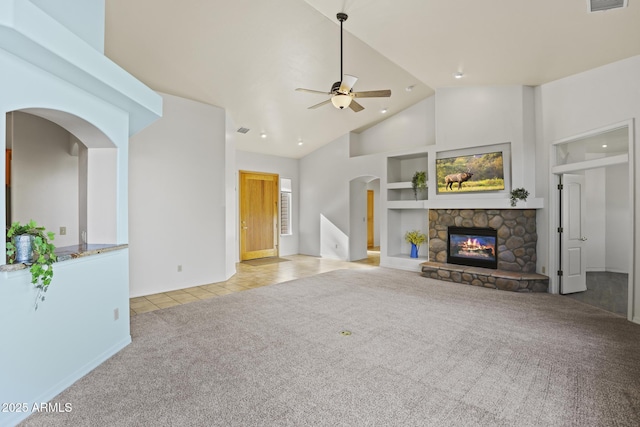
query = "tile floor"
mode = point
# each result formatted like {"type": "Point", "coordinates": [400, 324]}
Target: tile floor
{"type": "Point", "coordinates": [249, 277]}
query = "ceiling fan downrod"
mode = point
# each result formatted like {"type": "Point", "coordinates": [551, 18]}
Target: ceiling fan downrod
{"type": "Point", "coordinates": [341, 17]}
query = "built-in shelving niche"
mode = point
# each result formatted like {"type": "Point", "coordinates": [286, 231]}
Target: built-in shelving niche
{"type": "Point", "coordinates": [404, 213]}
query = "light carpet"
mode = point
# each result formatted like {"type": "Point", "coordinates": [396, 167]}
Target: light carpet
{"type": "Point", "coordinates": [421, 353]}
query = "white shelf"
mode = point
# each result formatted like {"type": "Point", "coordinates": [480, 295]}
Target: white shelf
{"type": "Point", "coordinates": [398, 185]}
{"type": "Point", "coordinates": [403, 186]}
{"type": "Point", "coordinates": [406, 204]}
{"type": "Point", "coordinates": [445, 202]}
{"type": "Point", "coordinates": [457, 203]}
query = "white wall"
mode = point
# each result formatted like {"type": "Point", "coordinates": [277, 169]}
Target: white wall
{"type": "Point", "coordinates": [608, 218]}
{"type": "Point", "coordinates": [85, 18]}
{"type": "Point", "coordinates": [325, 177]}
{"type": "Point", "coordinates": [411, 128]}
{"type": "Point", "coordinates": [44, 183]}
{"type": "Point", "coordinates": [573, 106]}
{"type": "Point", "coordinates": [618, 239]}
{"type": "Point", "coordinates": [358, 219]}
{"type": "Point", "coordinates": [326, 193]}
{"type": "Point", "coordinates": [102, 179]}
{"type": "Point", "coordinates": [73, 330]}
{"type": "Point", "coordinates": [596, 219]}
{"type": "Point", "coordinates": [482, 116]}
{"type": "Point", "coordinates": [177, 188]}
{"type": "Point", "coordinates": [231, 195]}
{"type": "Point", "coordinates": [285, 168]}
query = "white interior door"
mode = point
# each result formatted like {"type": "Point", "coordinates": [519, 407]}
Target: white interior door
{"type": "Point", "coordinates": [574, 256]}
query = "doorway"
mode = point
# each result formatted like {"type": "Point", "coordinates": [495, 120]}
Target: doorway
{"type": "Point", "coordinates": [594, 212]}
{"type": "Point", "coordinates": [258, 215]}
{"type": "Point", "coordinates": [364, 232]}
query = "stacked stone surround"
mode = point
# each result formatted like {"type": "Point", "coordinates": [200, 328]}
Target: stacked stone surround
{"type": "Point", "coordinates": [516, 246]}
{"type": "Point", "coordinates": [517, 237]}
{"type": "Point", "coordinates": [485, 277]}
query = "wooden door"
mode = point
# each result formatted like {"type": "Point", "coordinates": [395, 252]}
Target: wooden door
{"type": "Point", "coordinates": [258, 215]}
{"type": "Point", "coordinates": [574, 255]}
{"type": "Point", "coordinates": [370, 237]}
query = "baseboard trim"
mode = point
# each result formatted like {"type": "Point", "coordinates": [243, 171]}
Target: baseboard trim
{"type": "Point", "coordinates": [65, 383]}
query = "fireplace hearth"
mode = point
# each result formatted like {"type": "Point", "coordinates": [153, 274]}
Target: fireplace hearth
{"type": "Point", "coordinates": [472, 246]}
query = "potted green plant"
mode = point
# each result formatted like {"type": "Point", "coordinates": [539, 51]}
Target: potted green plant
{"type": "Point", "coordinates": [518, 194]}
{"type": "Point", "coordinates": [416, 238]}
{"type": "Point", "coordinates": [418, 182]}
{"type": "Point", "coordinates": [31, 244]}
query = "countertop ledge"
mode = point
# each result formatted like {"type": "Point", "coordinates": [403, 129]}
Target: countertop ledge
{"type": "Point", "coordinates": [70, 252]}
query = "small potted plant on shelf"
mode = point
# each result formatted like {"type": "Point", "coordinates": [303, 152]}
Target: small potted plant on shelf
{"type": "Point", "coordinates": [30, 244]}
{"type": "Point", "coordinates": [416, 238]}
{"type": "Point", "coordinates": [518, 194]}
{"type": "Point", "coordinates": [418, 182]}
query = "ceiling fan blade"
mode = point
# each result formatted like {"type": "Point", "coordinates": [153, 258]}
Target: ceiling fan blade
{"type": "Point", "coordinates": [319, 104]}
{"type": "Point", "coordinates": [347, 83]}
{"type": "Point", "coordinates": [300, 89]}
{"type": "Point", "coordinates": [355, 106]}
{"type": "Point", "coordinates": [373, 94]}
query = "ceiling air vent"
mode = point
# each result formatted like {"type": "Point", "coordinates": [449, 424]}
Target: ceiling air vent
{"type": "Point", "coordinates": [243, 130]}
{"type": "Point", "coordinates": [602, 5]}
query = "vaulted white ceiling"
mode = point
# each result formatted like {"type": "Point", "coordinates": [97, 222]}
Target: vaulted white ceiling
{"type": "Point", "coordinates": [248, 56]}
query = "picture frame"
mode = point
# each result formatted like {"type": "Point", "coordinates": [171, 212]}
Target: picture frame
{"type": "Point", "coordinates": [471, 173]}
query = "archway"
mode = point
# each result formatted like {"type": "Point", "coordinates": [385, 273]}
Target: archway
{"type": "Point", "coordinates": [62, 172]}
{"type": "Point", "coordinates": [358, 218]}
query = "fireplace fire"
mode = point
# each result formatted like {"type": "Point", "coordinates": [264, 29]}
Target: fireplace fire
{"type": "Point", "coordinates": [472, 246]}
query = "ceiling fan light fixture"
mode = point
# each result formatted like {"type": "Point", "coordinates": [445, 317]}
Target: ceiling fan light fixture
{"type": "Point", "coordinates": [341, 101]}
{"type": "Point", "coordinates": [341, 91]}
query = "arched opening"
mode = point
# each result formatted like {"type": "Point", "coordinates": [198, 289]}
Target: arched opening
{"type": "Point", "coordinates": [62, 173]}
{"type": "Point", "coordinates": [364, 227]}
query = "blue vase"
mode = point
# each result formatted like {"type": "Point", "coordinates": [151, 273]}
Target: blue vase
{"type": "Point", "coordinates": [414, 251]}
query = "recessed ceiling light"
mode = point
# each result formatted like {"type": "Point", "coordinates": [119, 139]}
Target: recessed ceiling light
{"type": "Point", "coordinates": [263, 135]}
{"type": "Point", "coordinates": [384, 111]}
{"type": "Point", "coordinates": [604, 145]}
{"type": "Point", "coordinates": [409, 88]}
{"type": "Point", "coordinates": [458, 75]}
{"type": "Point", "coordinates": [300, 141]}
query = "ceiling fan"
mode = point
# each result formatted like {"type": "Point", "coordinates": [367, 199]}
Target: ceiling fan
{"type": "Point", "coordinates": [341, 92]}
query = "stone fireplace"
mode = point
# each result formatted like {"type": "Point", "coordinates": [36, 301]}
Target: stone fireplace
{"type": "Point", "coordinates": [515, 249]}
{"type": "Point", "coordinates": [516, 229]}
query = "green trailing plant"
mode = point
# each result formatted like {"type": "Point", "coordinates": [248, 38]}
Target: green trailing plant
{"type": "Point", "coordinates": [518, 194]}
{"type": "Point", "coordinates": [415, 237]}
{"type": "Point", "coordinates": [43, 253]}
{"type": "Point", "coordinates": [418, 182]}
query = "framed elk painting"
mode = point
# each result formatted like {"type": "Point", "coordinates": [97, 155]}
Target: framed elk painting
{"type": "Point", "coordinates": [472, 173]}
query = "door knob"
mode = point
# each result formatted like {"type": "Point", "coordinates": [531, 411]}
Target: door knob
{"type": "Point", "coordinates": [584, 239]}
